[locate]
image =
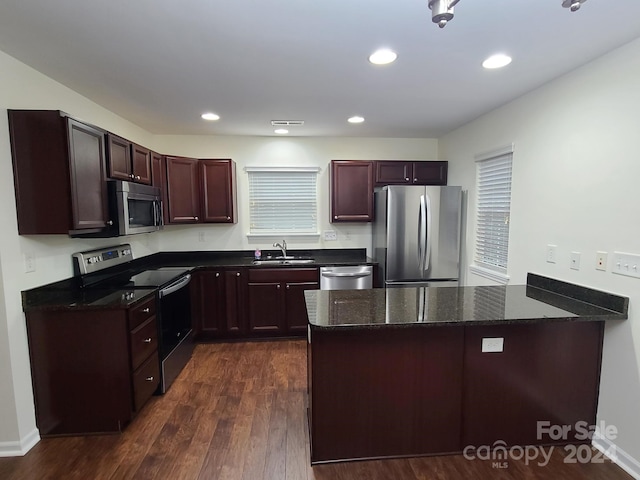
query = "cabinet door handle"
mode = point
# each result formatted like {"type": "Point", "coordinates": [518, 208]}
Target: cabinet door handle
{"type": "Point", "coordinates": [138, 177]}
{"type": "Point", "coordinates": [217, 274]}
{"type": "Point", "coordinates": [110, 222]}
{"type": "Point", "coordinates": [288, 286]}
{"type": "Point", "coordinates": [237, 274]}
{"type": "Point", "coordinates": [278, 286]}
{"type": "Point", "coordinates": [406, 179]}
{"type": "Point", "coordinates": [131, 176]}
{"type": "Point", "coordinates": [195, 218]}
{"type": "Point", "coordinates": [415, 180]}
{"type": "Point", "coordinates": [147, 340]}
{"type": "Point", "coordinates": [228, 218]}
{"type": "Point", "coordinates": [149, 379]}
{"type": "Point", "coordinates": [335, 217]}
{"type": "Point", "coordinates": [146, 310]}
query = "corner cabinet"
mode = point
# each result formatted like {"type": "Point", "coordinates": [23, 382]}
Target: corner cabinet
{"type": "Point", "coordinates": [351, 191]}
{"type": "Point", "coordinates": [218, 303]}
{"type": "Point", "coordinates": [92, 370]}
{"type": "Point", "coordinates": [59, 173]}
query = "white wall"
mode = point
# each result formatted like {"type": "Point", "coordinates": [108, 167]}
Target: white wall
{"type": "Point", "coordinates": [24, 88]}
{"type": "Point", "coordinates": [576, 168]}
{"type": "Point", "coordinates": [291, 151]}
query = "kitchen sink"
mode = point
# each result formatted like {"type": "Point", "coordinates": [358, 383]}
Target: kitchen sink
{"type": "Point", "coordinates": [284, 261]}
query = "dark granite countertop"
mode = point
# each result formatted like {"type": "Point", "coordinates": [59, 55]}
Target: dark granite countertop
{"type": "Point", "coordinates": [68, 293]}
{"type": "Point", "coordinates": [541, 300]}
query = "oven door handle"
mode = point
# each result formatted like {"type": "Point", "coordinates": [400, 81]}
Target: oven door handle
{"type": "Point", "coordinates": [174, 287]}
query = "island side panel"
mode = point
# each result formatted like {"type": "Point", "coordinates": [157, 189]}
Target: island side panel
{"type": "Point", "coordinates": [385, 392]}
{"type": "Point", "coordinates": [547, 372]}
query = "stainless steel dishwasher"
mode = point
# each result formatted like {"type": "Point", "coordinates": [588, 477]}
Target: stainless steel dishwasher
{"type": "Point", "coordinates": [357, 277]}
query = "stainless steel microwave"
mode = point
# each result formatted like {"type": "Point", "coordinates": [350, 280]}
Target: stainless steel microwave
{"type": "Point", "coordinates": [137, 208]}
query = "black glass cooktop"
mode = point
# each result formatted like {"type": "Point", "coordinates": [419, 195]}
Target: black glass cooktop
{"type": "Point", "coordinates": [154, 278]}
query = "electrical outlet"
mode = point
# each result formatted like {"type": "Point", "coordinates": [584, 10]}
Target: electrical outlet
{"type": "Point", "coordinates": [552, 252]}
{"type": "Point", "coordinates": [330, 235]}
{"type": "Point", "coordinates": [575, 261]}
{"type": "Point", "coordinates": [29, 263]}
{"type": "Point", "coordinates": [493, 345]}
{"type": "Point", "coordinates": [601, 261]}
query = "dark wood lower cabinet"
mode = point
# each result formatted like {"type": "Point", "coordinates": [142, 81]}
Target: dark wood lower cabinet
{"type": "Point", "coordinates": [92, 370]}
{"type": "Point", "coordinates": [276, 303]}
{"type": "Point", "coordinates": [218, 303]}
{"type": "Point", "coordinates": [548, 372]}
{"type": "Point", "coordinates": [416, 390]}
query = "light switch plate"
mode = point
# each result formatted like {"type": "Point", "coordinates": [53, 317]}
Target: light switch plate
{"type": "Point", "coordinates": [492, 344]}
{"type": "Point", "coordinates": [626, 264]}
{"type": "Point", "coordinates": [330, 235]}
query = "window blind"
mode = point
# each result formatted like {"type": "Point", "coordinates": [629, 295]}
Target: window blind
{"type": "Point", "coordinates": [494, 210]}
{"type": "Point", "coordinates": [282, 201]}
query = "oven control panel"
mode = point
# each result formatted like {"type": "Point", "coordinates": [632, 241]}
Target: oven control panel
{"type": "Point", "coordinates": [96, 260]}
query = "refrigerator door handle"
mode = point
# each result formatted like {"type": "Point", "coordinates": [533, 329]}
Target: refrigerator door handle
{"type": "Point", "coordinates": [422, 233]}
{"type": "Point", "coordinates": [427, 256]}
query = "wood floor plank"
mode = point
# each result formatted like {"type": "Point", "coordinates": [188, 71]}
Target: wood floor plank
{"type": "Point", "coordinates": [238, 412]}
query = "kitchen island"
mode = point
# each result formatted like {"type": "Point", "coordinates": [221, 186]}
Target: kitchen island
{"type": "Point", "coordinates": [420, 371]}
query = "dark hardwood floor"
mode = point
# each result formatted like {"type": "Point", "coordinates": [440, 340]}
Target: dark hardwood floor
{"type": "Point", "coordinates": [237, 412]}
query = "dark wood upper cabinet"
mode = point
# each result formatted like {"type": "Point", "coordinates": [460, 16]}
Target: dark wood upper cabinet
{"type": "Point", "coordinates": [396, 172]}
{"type": "Point", "coordinates": [351, 191]}
{"type": "Point", "coordinates": [141, 163]}
{"type": "Point", "coordinates": [201, 191]}
{"type": "Point", "coordinates": [183, 190]}
{"type": "Point", "coordinates": [59, 173]}
{"type": "Point", "coordinates": [218, 182]}
{"type": "Point", "coordinates": [128, 161]}
{"type": "Point", "coordinates": [159, 180]}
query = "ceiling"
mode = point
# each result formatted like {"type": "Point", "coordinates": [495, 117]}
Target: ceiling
{"type": "Point", "coordinates": [161, 63]}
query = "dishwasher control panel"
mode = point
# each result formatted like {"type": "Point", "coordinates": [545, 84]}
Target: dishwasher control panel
{"type": "Point", "coordinates": [357, 277]}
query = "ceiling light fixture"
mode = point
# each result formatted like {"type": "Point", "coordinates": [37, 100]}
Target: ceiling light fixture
{"type": "Point", "coordinates": [355, 119]}
{"type": "Point", "coordinates": [442, 10]}
{"type": "Point", "coordinates": [498, 60]}
{"type": "Point", "coordinates": [383, 56]}
{"type": "Point", "coordinates": [281, 131]}
{"type": "Point", "coordinates": [210, 116]}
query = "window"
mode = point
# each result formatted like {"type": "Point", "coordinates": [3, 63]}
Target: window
{"type": "Point", "coordinates": [282, 200]}
{"type": "Point", "coordinates": [493, 212]}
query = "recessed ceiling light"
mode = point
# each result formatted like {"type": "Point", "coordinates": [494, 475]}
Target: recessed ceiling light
{"type": "Point", "coordinates": [497, 61]}
{"type": "Point", "coordinates": [383, 56]}
{"type": "Point", "coordinates": [281, 131]}
{"type": "Point", "coordinates": [355, 119]}
{"type": "Point", "coordinates": [210, 116]}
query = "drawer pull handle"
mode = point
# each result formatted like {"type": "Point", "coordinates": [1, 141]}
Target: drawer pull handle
{"type": "Point", "coordinates": [146, 310]}
{"type": "Point", "coordinates": [149, 379]}
{"type": "Point", "coordinates": [147, 340]}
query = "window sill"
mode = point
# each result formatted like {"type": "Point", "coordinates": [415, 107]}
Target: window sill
{"type": "Point", "coordinates": [279, 235]}
{"type": "Point", "coordinates": [501, 278]}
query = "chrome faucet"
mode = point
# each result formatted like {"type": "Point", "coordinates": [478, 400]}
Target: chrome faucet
{"type": "Point", "coordinates": [282, 247]}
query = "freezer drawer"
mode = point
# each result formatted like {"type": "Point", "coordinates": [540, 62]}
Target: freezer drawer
{"type": "Point", "coordinates": [346, 278]}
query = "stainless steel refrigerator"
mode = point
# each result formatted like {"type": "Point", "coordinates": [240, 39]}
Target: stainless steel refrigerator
{"type": "Point", "coordinates": [416, 235]}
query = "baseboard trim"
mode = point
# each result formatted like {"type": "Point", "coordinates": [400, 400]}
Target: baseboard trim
{"type": "Point", "coordinates": [617, 456]}
{"type": "Point", "coordinates": [21, 447]}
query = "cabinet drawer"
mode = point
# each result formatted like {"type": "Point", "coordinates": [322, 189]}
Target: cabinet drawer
{"type": "Point", "coordinates": [144, 341]}
{"type": "Point", "coordinates": [142, 312]}
{"type": "Point", "coordinates": [145, 381]}
{"type": "Point", "coordinates": [283, 274]}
